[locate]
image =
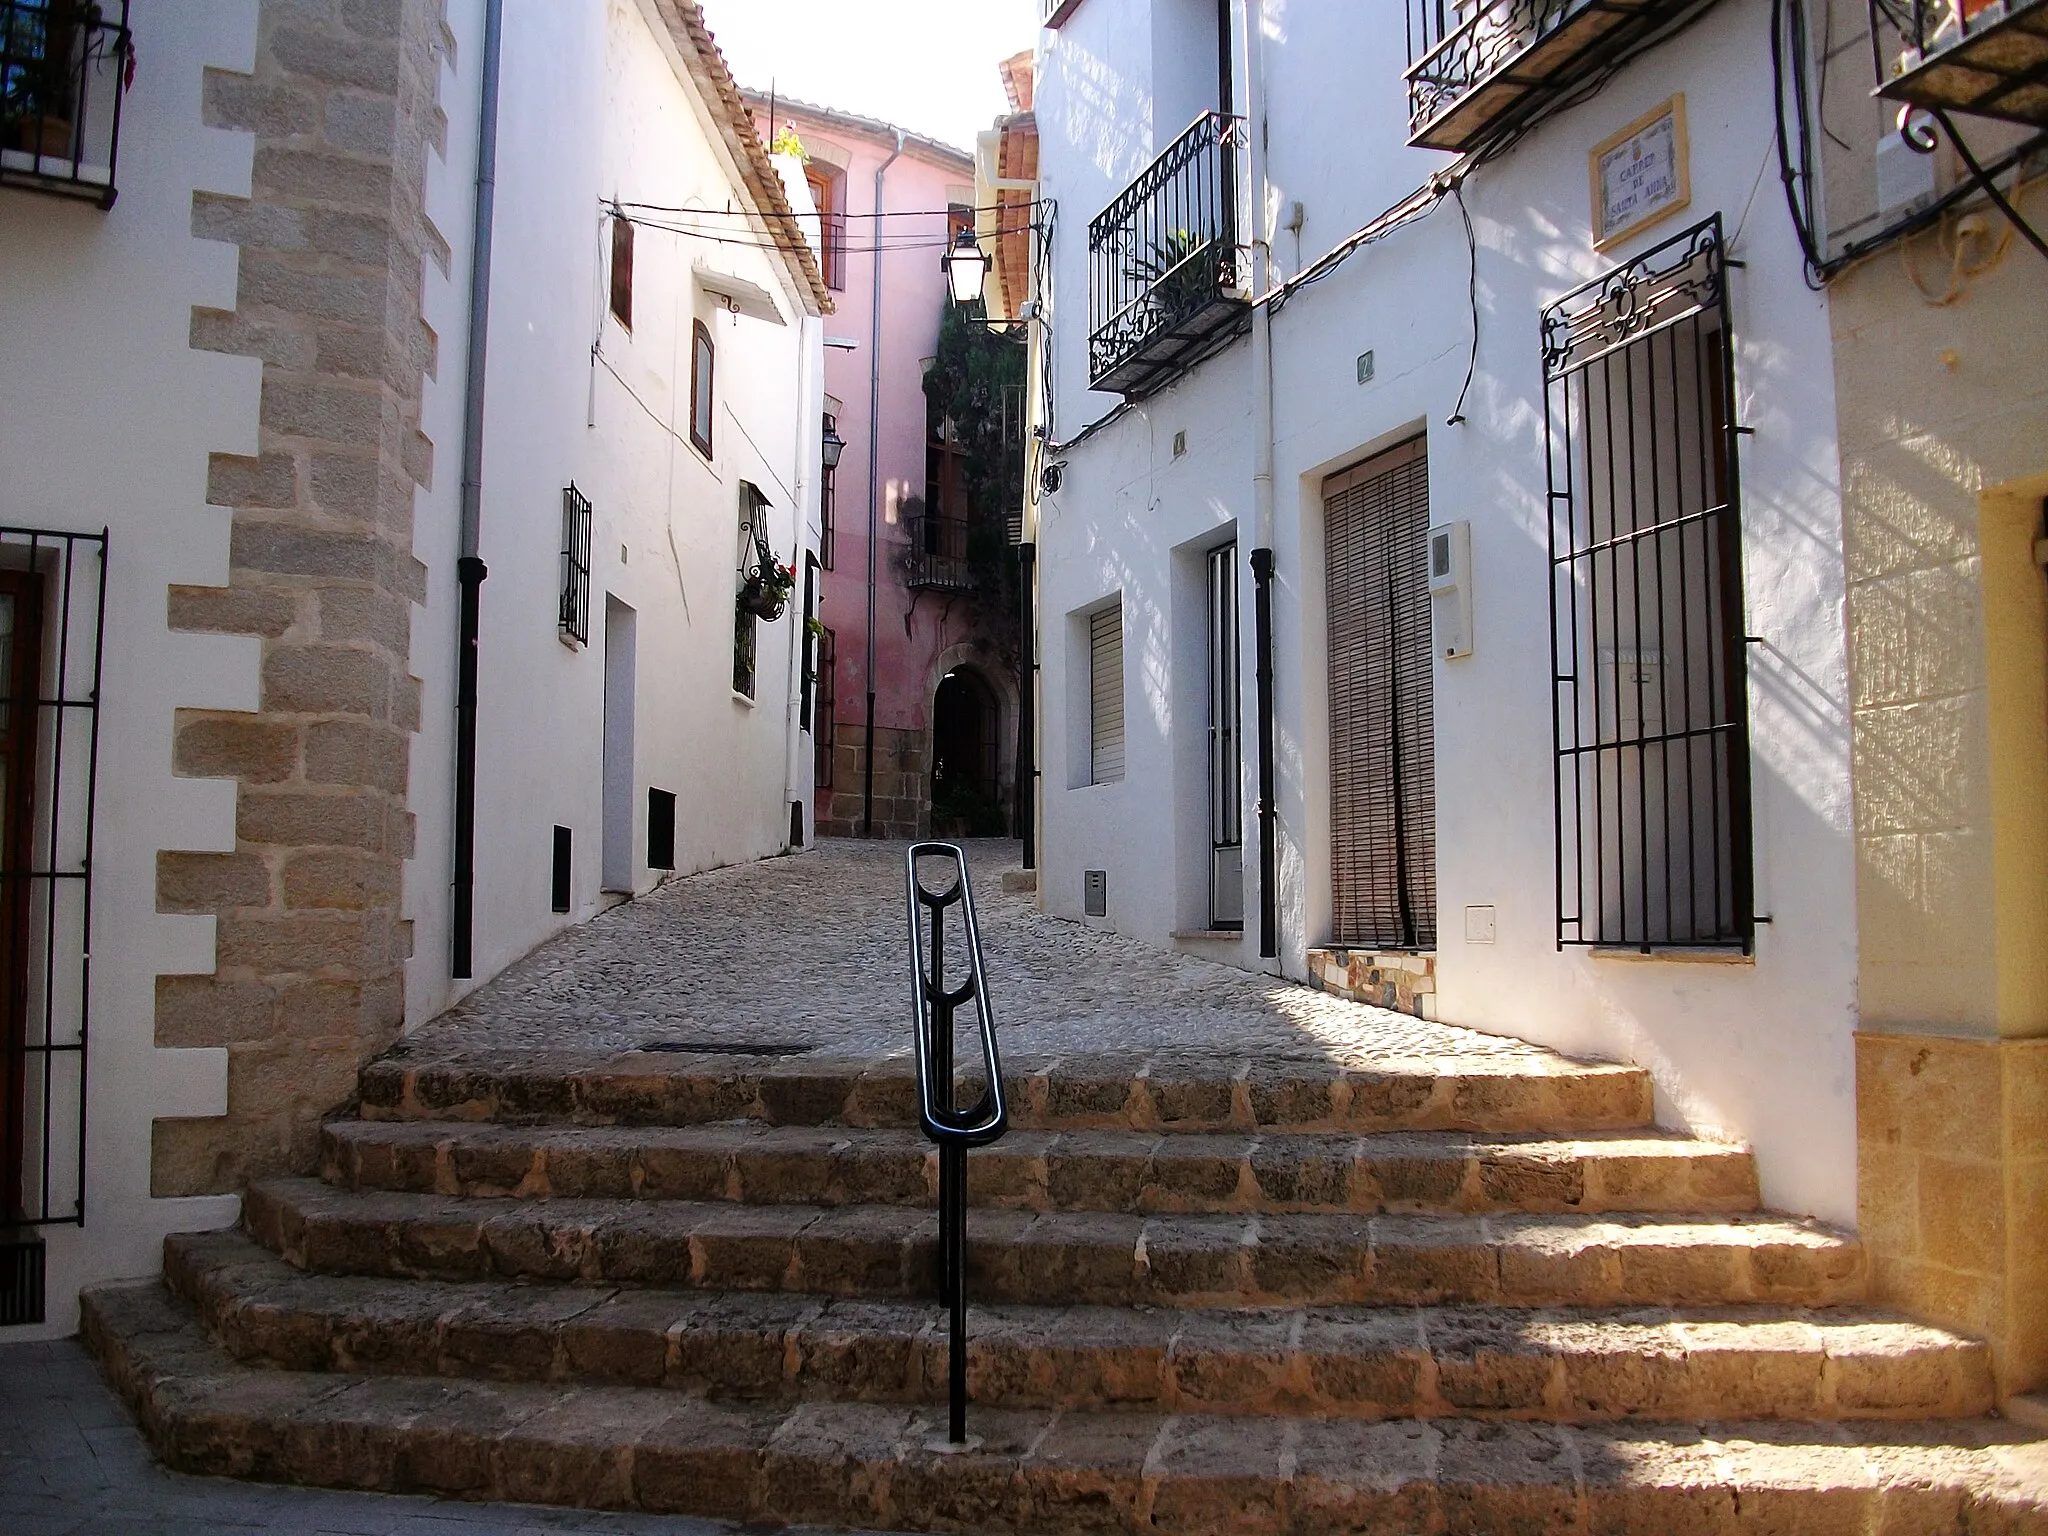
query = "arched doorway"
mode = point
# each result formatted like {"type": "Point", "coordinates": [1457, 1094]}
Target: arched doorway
{"type": "Point", "coordinates": [967, 796]}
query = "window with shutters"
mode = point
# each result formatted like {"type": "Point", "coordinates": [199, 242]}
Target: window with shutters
{"type": "Point", "coordinates": [1382, 708]}
{"type": "Point", "coordinates": [622, 269]}
{"type": "Point", "coordinates": [703, 363]}
{"type": "Point", "coordinates": [1106, 695]}
{"type": "Point", "coordinates": [828, 193]}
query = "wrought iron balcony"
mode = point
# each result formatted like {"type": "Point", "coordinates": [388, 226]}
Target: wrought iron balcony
{"type": "Point", "coordinates": [1478, 68]}
{"type": "Point", "coordinates": [1986, 57]}
{"type": "Point", "coordinates": [1165, 270]}
{"type": "Point", "coordinates": [938, 558]}
{"type": "Point", "coordinates": [64, 67]}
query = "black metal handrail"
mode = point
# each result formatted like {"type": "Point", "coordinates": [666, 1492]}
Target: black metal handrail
{"type": "Point", "coordinates": [953, 1128]}
{"type": "Point", "coordinates": [1165, 250]}
{"type": "Point", "coordinates": [64, 68]}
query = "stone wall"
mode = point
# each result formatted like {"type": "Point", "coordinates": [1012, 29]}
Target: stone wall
{"type": "Point", "coordinates": [1952, 1188]}
{"type": "Point", "coordinates": [902, 783]}
{"type": "Point", "coordinates": [310, 944]}
{"type": "Point", "coordinates": [1944, 469]}
{"type": "Point", "coordinates": [1403, 982]}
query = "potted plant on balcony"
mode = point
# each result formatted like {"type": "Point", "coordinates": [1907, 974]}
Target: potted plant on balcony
{"type": "Point", "coordinates": [1178, 272]}
{"type": "Point", "coordinates": [765, 585]}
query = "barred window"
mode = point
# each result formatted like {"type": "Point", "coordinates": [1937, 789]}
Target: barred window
{"type": "Point", "coordinates": [574, 615]}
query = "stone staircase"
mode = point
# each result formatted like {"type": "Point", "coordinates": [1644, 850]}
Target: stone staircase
{"type": "Point", "coordinates": [1211, 1295]}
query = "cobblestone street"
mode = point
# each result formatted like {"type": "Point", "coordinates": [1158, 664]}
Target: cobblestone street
{"type": "Point", "coordinates": [809, 952]}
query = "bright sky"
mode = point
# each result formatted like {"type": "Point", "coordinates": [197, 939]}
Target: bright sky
{"type": "Point", "coordinates": [926, 65]}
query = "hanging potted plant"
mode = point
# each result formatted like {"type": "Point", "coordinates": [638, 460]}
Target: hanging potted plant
{"type": "Point", "coordinates": [765, 585]}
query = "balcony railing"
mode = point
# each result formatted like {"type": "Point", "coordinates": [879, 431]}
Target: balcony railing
{"type": "Point", "coordinates": [1986, 57]}
{"type": "Point", "coordinates": [1479, 68]}
{"type": "Point", "coordinates": [939, 552]}
{"type": "Point", "coordinates": [1165, 269]}
{"type": "Point", "coordinates": [64, 67]}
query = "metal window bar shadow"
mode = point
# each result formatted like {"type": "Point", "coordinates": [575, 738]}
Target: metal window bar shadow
{"type": "Point", "coordinates": [64, 68]}
{"type": "Point", "coordinates": [946, 1122]}
{"type": "Point", "coordinates": [1650, 686]}
{"type": "Point", "coordinates": [53, 611]}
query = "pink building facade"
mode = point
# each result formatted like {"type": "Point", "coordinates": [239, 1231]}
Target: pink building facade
{"type": "Point", "coordinates": [942, 668]}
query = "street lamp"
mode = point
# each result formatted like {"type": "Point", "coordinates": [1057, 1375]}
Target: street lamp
{"type": "Point", "coordinates": [966, 268]}
{"type": "Point", "coordinates": [834, 445]}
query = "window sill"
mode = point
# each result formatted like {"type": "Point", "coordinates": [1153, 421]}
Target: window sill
{"type": "Point", "coordinates": [741, 698]}
{"type": "Point", "coordinates": [1208, 935]}
{"type": "Point", "coordinates": [1673, 956]}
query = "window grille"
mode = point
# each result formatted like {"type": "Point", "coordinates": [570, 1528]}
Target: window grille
{"type": "Point", "coordinates": [1650, 698]}
{"type": "Point", "coordinates": [1106, 695]}
{"type": "Point", "coordinates": [825, 738]}
{"type": "Point", "coordinates": [64, 69]}
{"type": "Point", "coordinates": [828, 492]}
{"type": "Point", "coordinates": [52, 622]}
{"type": "Point", "coordinates": [622, 269]}
{"type": "Point", "coordinates": [810, 644]}
{"type": "Point", "coordinates": [1226, 803]}
{"type": "Point", "coordinates": [1382, 703]}
{"type": "Point", "coordinates": [574, 617]}
{"type": "Point", "coordinates": [753, 548]}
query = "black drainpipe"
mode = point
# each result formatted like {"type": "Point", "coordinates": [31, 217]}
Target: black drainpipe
{"type": "Point", "coordinates": [1269, 820]}
{"type": "Point", "coordinates": [470, 570]}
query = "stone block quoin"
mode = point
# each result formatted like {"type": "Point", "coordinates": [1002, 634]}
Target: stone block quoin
{"type": "Point", "coordinates": [311, 946]}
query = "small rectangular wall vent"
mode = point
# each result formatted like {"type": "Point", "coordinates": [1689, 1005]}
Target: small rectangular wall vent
{"type": "Point", "coordinates": [558, 879]}
{"type": "Point", "coordinates": [661, 829]}
{"type": "Point", "coordinates": [1095, 892]}
{"type": "Point", "coordinates": [21, 1281]}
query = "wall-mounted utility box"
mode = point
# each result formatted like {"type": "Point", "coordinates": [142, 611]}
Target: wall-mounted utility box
{"type": "Point", "coordinates": [1095, 892]}
{"type": "Point", "coordinates": [1450, 588]}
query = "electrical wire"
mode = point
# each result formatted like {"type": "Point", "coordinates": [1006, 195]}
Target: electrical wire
{"type": "Point", "coordinates": [1457, 415]}
{"type": "Point", "coordinates": [1983, 179]}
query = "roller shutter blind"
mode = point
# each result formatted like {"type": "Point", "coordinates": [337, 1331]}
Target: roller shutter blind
{"type": "Point", "coordinates": [1106, 695]}
{"type": "Point", "coordinates": [1382, 716]}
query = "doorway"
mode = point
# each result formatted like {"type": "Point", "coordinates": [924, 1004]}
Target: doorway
{"type": "Point", "coordinates": [1382, 703]}
{"type": "Point", "coordinates": [616, 851]}
{"type": "Point", "coordinates": [966, 789]}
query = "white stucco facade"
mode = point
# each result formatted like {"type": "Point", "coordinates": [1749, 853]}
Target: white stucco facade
{"type": "Point", "coordinates": [115, 390]}
{"type": "Point", "coordinates": [1758, 1050]}
{"type": "Point", "coordinates": [576, 397]}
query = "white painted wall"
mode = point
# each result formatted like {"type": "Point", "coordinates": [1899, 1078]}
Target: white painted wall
{"type": "Point", "coordinates": [106, 420]}
{"type": "Point", "coordinates": [1762, 1052]}
{"type": "Point", "coordinates": [595, 109]}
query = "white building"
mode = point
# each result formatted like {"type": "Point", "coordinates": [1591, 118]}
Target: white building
{"type": "Point", "coordinates": [237, 345]}
{"type": "Point", "coordinates": [1599, 798]}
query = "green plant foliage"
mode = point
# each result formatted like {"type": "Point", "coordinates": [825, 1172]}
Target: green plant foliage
{"type": "Point", "coordinates": [787, 143]}
{"type": "Point", "coordinates": [977, 382]}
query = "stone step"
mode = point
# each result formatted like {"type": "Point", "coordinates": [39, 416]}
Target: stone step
{"type": "Point", "coordinates": [1557, 1366]}
{"type": "Point", "coordinates": [1178, 1093]}
{"type": "Point", "coordinates": [1048, 1170]}
{"type": "Point", "coordinates": [1104, 1258]}
{"type": "Point", "coordinates": [1045, 1471]}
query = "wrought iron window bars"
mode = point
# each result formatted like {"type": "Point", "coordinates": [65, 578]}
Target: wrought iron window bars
{"type": "Point", "coordinates": [946, 1122]}
{"type": "Point", "coordinates": [65, 66]}
{"type": "Point", "coordinates": [1650, 710]}
{"type": "Point", "coordinates": [50, 731]}
{"type": "Point", "coordinates": [1165, 270]}
{"type": "Point", "coordinates": [574, 615]}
